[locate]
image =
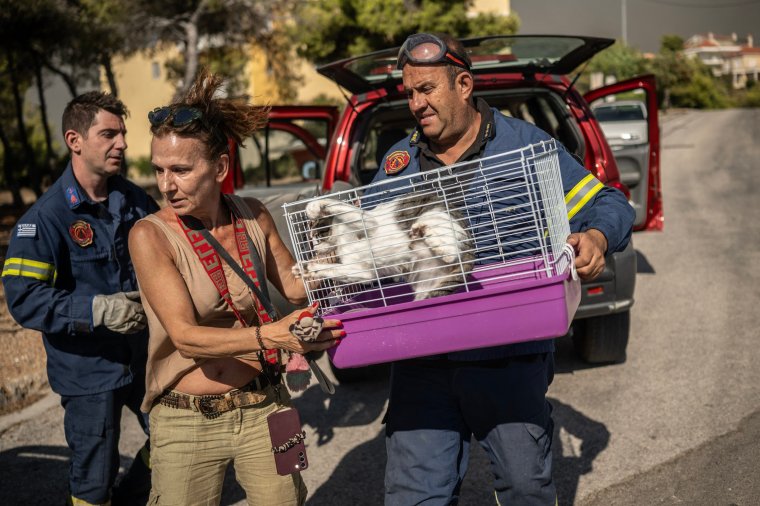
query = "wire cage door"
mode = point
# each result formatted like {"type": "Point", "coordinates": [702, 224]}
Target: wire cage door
{"type": "Point", "coordinates": [426, 263]}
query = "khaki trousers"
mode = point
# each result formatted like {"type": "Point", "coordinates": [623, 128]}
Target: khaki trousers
{"type": "Point", "coordinates": [190, 453]}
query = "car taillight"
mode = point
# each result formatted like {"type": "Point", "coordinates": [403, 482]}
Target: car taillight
{"type": "Point", "coordinates": [623, 188]}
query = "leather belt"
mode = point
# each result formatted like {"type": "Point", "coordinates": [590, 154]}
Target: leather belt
{"type": "Point", "coordinates": [214, 405]}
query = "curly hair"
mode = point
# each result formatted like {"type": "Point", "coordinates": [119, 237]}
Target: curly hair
{"type": "Point", "coordinates": [221, 118]}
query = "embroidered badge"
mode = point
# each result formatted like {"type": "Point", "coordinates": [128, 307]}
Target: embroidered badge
{"type": "Point", "coordinates": [396, 161]}
{"type": "Point", "coordinates": [72, 195]}
{"type": "Point", "coordinates": [26, 230]}
{"type": "Point", "coordinates": [81, 232]}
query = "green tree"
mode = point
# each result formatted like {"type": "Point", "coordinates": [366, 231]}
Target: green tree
{"type": "Point", "coordinates": [671, 43]}
{"type": "Point", "coordinates": [700, 91]}
{"type": "Point", "coordinates": [618, 60]}
{"type": "Point", "coordinates": [217, 33]}
{"type": "Point", "coordinates": [682, 81]}
{"type": "Point", "coordinates": [326, 30]}
{"type": "Point", "coordinates": [70, 39]}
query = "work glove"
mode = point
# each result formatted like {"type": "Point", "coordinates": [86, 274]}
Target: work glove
{"type": "Point", "coordinates": [120, 312]}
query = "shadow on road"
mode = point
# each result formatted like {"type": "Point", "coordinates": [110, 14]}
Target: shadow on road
{"type": "Point", "coordinates": [577, 442]}
{"type": "Point", "coordinates": [358, 477]}
{"type": "Point", "coordinates": [34, 475]}
{"type": "Point", "coordinates": [352, 405]}
{"type": "Point", "coordinates": [38, 475]}
{"type": "Point", "coordinates": [642, 264]}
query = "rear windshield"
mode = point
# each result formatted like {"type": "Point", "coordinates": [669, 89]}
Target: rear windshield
{"type": "Point", "coordinates": [619, 113]}
{"type": "Point", "coordinates": [392, 122]}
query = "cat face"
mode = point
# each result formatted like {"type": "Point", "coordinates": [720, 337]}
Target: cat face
{"type": "Point", "coordinates": [321, 235]}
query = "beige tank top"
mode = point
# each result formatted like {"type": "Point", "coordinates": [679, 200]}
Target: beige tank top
{"type": "Point", "coordinates": [165, 364]}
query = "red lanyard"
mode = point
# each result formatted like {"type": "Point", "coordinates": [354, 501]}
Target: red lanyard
{"type": "Point", "coordinates": [213, 266]}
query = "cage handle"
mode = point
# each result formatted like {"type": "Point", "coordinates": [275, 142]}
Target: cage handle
{"type": "Point", "coordinates": [570, 252]}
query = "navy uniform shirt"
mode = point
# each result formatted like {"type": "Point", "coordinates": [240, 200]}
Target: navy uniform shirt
{"type": "Point", "coordinates": [590, 203]}
{"type": "Point", "coordinates": [63, 251]}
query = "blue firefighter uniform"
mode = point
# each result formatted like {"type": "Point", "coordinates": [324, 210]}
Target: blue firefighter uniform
{"type": "Point", "coordinates": [65, 250]}
{"type": "Point", "coordinates": [496, 394]}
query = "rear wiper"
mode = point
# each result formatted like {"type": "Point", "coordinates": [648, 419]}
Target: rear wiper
{"type": "Point", "coordinates": [348, 100]}
{"type": "Point", "coordinates": [572, 83]}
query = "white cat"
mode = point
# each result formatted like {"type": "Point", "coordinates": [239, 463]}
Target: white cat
{"type": "Point", "coordinates": [412, 236]}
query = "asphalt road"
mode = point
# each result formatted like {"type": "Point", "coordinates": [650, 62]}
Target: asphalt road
{"type": "Point", "coordinates": [678, 423]}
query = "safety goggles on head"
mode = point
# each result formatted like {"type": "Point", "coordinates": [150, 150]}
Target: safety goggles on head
{"type": "Point", "coordinates": [426, 48]}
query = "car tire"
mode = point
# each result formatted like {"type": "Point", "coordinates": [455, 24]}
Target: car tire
{"type": "Point", "coordinates": [603, 339]}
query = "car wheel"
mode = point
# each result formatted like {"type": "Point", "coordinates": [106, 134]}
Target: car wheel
{"type": "Point", "coordinates": [603, 338]}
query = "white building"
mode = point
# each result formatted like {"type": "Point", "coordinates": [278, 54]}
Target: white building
{"type": "Point", "coordinates": [727, 56]}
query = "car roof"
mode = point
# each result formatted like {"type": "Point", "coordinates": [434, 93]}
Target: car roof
{"type": "Point", "coordinates": [523, 54]}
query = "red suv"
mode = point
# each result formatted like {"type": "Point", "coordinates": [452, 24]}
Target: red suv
{"type": "Point", "coordinates": [308, 150]}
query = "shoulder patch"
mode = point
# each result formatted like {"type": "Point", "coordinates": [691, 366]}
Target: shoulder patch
{"type": "Point", "coordinates": [72, 196]}
{"type": "Point", "coordinates": [26, 230]}
{"type": "Point", "coordinates": [396, 161]}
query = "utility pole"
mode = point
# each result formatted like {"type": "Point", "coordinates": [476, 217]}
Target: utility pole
{"type": "Point", "coordinates": [624, 31]}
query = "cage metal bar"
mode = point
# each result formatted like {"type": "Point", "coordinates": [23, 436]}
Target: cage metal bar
{"type": "Point", "coordinates": [511, 204]}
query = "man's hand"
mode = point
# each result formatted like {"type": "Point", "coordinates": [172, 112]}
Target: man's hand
{"type": "Point", "coordinates": [590, 247]}
{"type": "Point", "coordinates": [120, 312]}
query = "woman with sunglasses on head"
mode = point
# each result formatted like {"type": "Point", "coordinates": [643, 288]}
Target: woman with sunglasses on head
{"type": "Point", "coordinates": [212, 375]}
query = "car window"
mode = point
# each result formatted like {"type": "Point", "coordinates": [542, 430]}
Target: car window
{"type": "Point", "coordinates": [392, 122]}
{"type": "Point", "coordinates": [284, 153]}
{"type": "Point", "coordinates": [388, 127]}
{"type": "Point", "coordinates": [546, 111]}
{"type": "Point", "coordinates": [619, 113]}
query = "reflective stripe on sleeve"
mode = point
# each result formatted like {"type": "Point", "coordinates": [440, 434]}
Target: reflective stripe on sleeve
{"type": "Point", "coordinates": [29, 268]}
{"type": "Point", "coordinates": [581, 193]}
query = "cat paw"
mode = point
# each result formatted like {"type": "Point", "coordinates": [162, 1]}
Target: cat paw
{"type": "Point", "coordinates": [444, 248]}
{"type": "Point", "coordinates": [417, 231]}
{"type": "Point", "coordinates": [306, 273]}
{"type": "Point", "coordinates": [297, 272]}
{"type": "Point", "coordinates": [317, 209]}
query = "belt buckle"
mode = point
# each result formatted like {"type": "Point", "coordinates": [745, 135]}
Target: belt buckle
{"type": "Point", "coordinates": [205, 406]}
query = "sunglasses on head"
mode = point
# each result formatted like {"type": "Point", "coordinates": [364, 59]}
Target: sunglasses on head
{"type": "Point", "coordinates": [181, 116]}
{"type": "Point", "coordinates": [428, 49]}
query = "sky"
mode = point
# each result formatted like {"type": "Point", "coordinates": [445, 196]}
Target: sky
{"type": "Point", "coordinates": [647, 20]}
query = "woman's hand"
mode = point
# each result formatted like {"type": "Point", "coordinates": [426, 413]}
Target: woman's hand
{"type": "Point", "coordinates": [278, 335]}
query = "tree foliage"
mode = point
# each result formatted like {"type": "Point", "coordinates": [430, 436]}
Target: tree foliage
{"type": "Point", "coordinates": [215, 32]}
{"type": "Point", "coordinates": [682, 81]}
{"type": "Point", "coordinates": [327, 30]}
{"type": "Point", "coordinates": [76, 40]}
{"type": "Point", "coordinates": [618, 60]}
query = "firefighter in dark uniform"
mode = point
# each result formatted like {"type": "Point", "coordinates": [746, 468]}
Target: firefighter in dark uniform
{"type": "Point", "coordinates": [498, 394]}
{"type": "Point", "coordinates": [68, 274]}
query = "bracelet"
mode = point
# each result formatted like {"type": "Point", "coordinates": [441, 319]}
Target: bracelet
{"type": "Point", "coordinates": [258, 338]}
